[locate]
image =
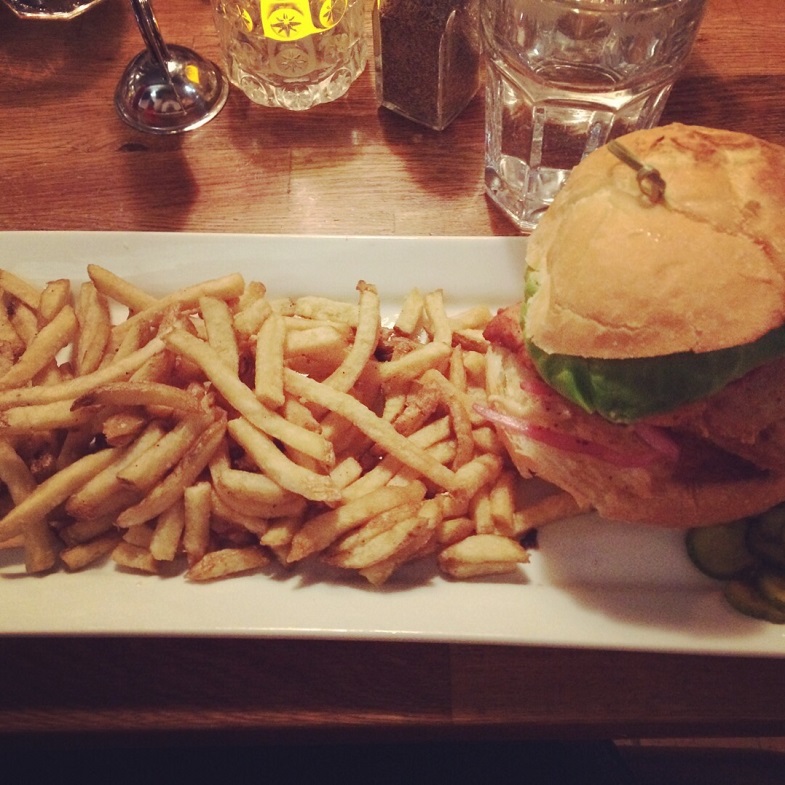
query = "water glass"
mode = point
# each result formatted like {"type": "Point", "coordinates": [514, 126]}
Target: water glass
{"type": "Point", "coordinates": [293, 54]}
{"type": "Point", "coordinates": [563, 77]}
{"type": "Point", "coordinates": [50, 9]}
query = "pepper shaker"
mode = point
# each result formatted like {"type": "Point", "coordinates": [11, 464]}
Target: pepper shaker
{"type": "Point", "coordinates": [427, 58]}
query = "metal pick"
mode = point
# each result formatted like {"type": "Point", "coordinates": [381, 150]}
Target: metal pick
{"type": "Point", "coordinates": [649, 179]}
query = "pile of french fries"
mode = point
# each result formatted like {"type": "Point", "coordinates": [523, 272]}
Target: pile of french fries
{"type": "Point", "coordinates": [216, 431]}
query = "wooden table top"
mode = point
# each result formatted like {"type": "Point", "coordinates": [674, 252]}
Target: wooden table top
{"type": "Point", "coordinates": [68, 163]}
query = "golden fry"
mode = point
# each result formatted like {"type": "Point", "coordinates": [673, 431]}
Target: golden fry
{"type": "Point", "coordinates": [438, 323]}
{"type": "Point", "coordinates": [134, 557]}
{"type": "Point", "coordinates": [253, 292]}
{"type": "Point", "coordinates": [141, 536]}
{"type": "Point", "coordinates": [228, 561]}
{"type": "Point", "coordinates": [255, 493]}
{"type": "Point", "coordinates": [42, 350]}
{"type": "Point", "coordinates": [81, 555]}
{"type": "Point", "coordinates": [376, 428]}
{"type": "Point", "coordinates": [123, 427]}
{"type": "Point", "coordinates": [168, 531]}
{"type": "Point", "coordinates": [480, 555]}
{"type": "Point", "coordinates": [409, 319]}
{"type": "Point", "coordinates": [15, 473]}
{"type": "Point", "coordinates": [220, 330]}
{"type": "Point", "coordinates": [414, 364]}
{"type": "Point", "coordinates": [197, 512]}
{"type": "Point", "coordinates": [53, 492]}
{"type": "Point", "coordinates": [554, 507]}
{"type": "Point", "coordinates": [55, 296]}
{"type": "Point", "coordinates": [244, 401]}
{"type": "Point", "coordinates": [75, 444]}
{"type": "Point", "coordinates": [471, 340]}
{"type": "Point", "coordinates": [301, 415]}
{"type": "Point", "coordinates": [279, 536]}
{"type": "Point", "coordinates": [319, 532]}
{"type": "Point", "coordinates": [24, 320]}
{"type": "Point", "coordinates": [324, 308]}
{"type": "Point", "coordinates": [461, 422]}
{"type": "Point", "coordinates": [95, 327]}
{"type": "Point", "coordinates": [12, 343]}
{"type": "Point", "coordinates": [366, 337]}
{"type": "Point", "coordinates": [389, 466]}
{"type": "Point", "coordinates": [21, 289]}
{"type": "Point", "coordinates": [318, 351]}
{"type": "Point", "coordinates": [471, 477]}
{"type": "Point", "coordinates": [503, 503]}
{"type": "Point", "coordinates": [172, 487]}
{"type": "Point", "coordinates": [346, 472]}
{"type": "Point", "coordinates": [486, 440]}
{"type": "Point", "coordinates": [42, 417]}
{"type": "Point", "coordinates": [226, 287]}
{"type": "Point", "coordinates": [80, 385]}
{"type": "Point", "coordinates": [223, 509]}
{"type": "Point", "coordinates": [249, 320]}
{"type": "Point", "coordinates": [359, 537]}
{"type": "Point", "coordinates": [119, 289]}
{"type": "Point", "coordinates": [457, 373]}
{"type": "Point", "coordinates": [140, 393]}
{"type": "Point", "coordinates": [481, 512]}
{"type": "Point", "coordinates": [415, 545]}
{"type": "Point", "coordinates": [384, 545]}
{"type": "Point", "coordinates": [452, 530]}
{"type": "Point", "coordinates": [268, 378]}
{"type": "Point", "coordinates": [83, 531]}
{"type": "Point", "coordinates": [474, 318]}
{"type": "Point", "coordinates": [40, 546]}
{"type": "Point", "coordinates": [279, 468]}
{"type": "Point", "coordinates": [295, 324]}
{"type": "Point", "coordinates": [151, 466]}
{"type": "Point", "coordinates": [105, 493]}
{"type": "Point", "coordinates": [420, 405]}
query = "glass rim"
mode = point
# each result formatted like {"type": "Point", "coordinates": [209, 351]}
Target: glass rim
{"type": "Point", "coordinates": [612, 5]}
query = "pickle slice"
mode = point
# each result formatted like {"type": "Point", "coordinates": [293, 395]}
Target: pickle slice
{"type": "Point", "coordinates": [744, 595]}
{"type": "Point", "coordinates": [766, 537]}
{"type": "Point", "coordinates": [748, 556]}
{"type": "Point", "coordinates": [772, 586]}
{"type": "Point", "coordinates": [720, 551]}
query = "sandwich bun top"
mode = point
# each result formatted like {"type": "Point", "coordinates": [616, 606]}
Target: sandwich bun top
{"type": "Point", "coordinates": [618, 276]}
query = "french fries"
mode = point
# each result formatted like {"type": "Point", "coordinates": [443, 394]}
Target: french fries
{"type": "Point", "coordinates": [217, 431]}
{"type": "Point", "coordinates": [482, 554]}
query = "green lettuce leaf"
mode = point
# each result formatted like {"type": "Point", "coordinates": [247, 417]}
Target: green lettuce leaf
{"type": "Point", "coordinates": [627, 390]}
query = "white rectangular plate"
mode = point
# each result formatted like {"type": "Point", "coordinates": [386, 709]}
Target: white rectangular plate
{"type": "Point", "coordinates": [590, 584]}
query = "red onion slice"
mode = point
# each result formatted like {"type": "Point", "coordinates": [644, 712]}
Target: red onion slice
{"type": "Point", "coordinates": [658, 439]}
{"type": "Point", "coordinates": [559, 440]}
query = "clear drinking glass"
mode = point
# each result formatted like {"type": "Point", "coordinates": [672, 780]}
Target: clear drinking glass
{"type": "Point", "coordinates": [293, 54]}
{"type": "Point", "coordinates": [563, 77]}
{"type": "Point", "coordinates": [50, 9]}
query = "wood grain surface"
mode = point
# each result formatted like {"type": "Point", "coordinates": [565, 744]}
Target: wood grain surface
{"type": "Point", "coordinates": [67, 162]}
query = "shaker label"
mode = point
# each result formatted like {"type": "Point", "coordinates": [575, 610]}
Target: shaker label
{"type": "Point", "coordinates": [290, 20]}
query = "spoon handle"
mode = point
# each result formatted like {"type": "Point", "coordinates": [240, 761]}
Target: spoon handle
{"type": "Point", "coordinates": [148, 26]}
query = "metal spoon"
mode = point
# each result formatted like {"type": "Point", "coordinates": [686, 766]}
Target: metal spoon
{"type": "Point", "coordinates": [167, 89]}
